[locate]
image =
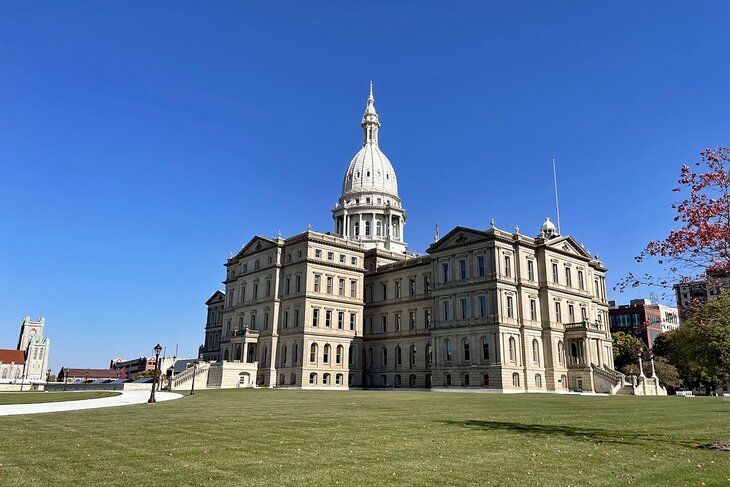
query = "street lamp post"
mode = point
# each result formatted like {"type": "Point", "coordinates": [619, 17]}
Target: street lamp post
{"type": "Point", "coordinates": [22, 380]}
{"type": "Point", "coordinates": [86, 379]}
{"type": "Point", "coordinates": [152, 399]}
{"type": "Point", "coordinates": [48, 376]}
{"type": "Point", "coordinates": [195, 370]}
{"type": "Point", "coordinates": [65, 378]}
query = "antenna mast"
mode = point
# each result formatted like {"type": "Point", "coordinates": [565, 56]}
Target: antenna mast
{"type": "Point", "coordinates": [557, 206]}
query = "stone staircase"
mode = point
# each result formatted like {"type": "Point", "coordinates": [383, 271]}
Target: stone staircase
{"type": "Point", "coordinates": [616, 381]}
{"type": "Point", "coordinates": [184, 378]}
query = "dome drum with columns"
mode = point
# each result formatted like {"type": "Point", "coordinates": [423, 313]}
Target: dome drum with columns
{"type": "Point", "coordinates": [369, 209]}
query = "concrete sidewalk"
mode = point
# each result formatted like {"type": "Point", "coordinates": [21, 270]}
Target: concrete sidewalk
{"type": "Point", "coordinates": [124, 399]}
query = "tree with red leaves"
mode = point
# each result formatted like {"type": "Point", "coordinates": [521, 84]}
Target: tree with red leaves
{"type": "Point", "coordinates": [701, 247]}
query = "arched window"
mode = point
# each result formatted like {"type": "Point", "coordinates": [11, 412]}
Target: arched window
{"type": "Point", "coordinates": [447, 347]}
{"type": "Point", "coordinates": [560, 351]}
{"type": "Point", "coordinates": [326, 356]}
{"type": "Point", "coordinates": [238, 352]}
{"type": "Point", "coordinates": [326, 379]}
{"type": "Point", "coordinates": [367, 228]}
{"type": "Point", "coordinates": [485, 349]}
{"type": "Point", "coordinates": [338, 379]}
{"type": "Point", "coordinates": [538, 380]}
{"type": "Point", "coordinates": [412, 356]}
{"type": "Point", "coordinates": [412, 380]}
{"type": "Point", "coordinates": [516, 379]}
{"type": "Point", "coordinates": [467, 352]}
{"type": "Point", "coordinates": [396, 382]}
{"type": "Point", "coordinates": [225, 355]}
{"type": "Point", "coordinates": [357, 229]}
{"type": "Point", "coordinates": [535, 351]}
{"type": "Point", "coordinates": [313, 353]}
{"type": "Point", "coordinates": [313, 378]}
{"type": "Point", "coordinates": [384, 357]}
{"type": "Point", "coordinates": [429, 355]}
{"type": "Point", "coordinates": [398, 355]}
{"type": "Point", "coordinates": [512, 349]}
{"type": "Point", "coordinates": [338, 356]}
{"type": "Point", "coordinates": [384, 380]}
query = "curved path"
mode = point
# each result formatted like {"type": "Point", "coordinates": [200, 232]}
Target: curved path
{"type": "Point", "coordinates": [124, 399]}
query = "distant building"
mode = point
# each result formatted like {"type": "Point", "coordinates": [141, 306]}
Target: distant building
{"type": "Point", "coordinates": [71, 375]}
{"type": "Point", "coordinates": [29, 361]}
{"type": "Point", "coordinates": [211, 349]}
{"type": "Point", "coordinates": [130, 368]}
{"type": "Point", "coordinates": [700, 291]}
{"type": "Point", "coordinates": [642, 319]}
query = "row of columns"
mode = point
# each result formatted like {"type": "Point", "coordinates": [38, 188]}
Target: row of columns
{"type": "Point", "coordinates": [344, 224]}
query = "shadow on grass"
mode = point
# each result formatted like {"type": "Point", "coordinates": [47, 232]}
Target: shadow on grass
{"type": "Point", "coordinates": [580, 433]}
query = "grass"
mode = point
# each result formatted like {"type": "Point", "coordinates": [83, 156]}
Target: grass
{"type": "Point", "coordinates": [39, 397]}
{"type": "Point", "coordinates": [279, 437]}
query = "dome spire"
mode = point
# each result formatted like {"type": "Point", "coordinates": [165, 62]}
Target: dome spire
{"type": "Point", "coordinates": [370, 123]}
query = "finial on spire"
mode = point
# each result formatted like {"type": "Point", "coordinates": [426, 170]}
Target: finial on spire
{"type": "Point", "coordinates": [370, 121]}
{"type": "Point", "coordinates": [371, 97]}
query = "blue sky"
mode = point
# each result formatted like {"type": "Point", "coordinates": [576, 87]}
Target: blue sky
{"type": "Point", "coordinates": [141, 142]}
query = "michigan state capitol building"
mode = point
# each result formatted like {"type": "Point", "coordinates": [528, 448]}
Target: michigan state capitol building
{"type": "Point", "coordinates": [485, 309]}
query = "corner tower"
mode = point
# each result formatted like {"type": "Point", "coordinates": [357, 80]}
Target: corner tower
{"type": "Point", "coordinates": [369, 209]}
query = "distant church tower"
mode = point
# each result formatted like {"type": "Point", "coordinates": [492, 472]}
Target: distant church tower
{"type": "Point", "coordinates": [369, 209]}
{"type": "Point", "coordinates": [36, 348]}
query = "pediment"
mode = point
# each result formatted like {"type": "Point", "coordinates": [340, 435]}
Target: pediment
{"type": "Point", "coordinates": [256, 244]}
{"type": "Point", "coordinates": [568, 245]}
{"type": "Point", "coordinates": [457, 237]}
{"type": "Point", "coordinates": [216, 297]}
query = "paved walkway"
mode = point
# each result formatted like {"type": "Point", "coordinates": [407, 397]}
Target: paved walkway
{"type": "Point", "coordinates": [124, 399]}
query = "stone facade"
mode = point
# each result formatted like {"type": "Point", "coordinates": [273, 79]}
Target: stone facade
{"type": "Point", "coordinates": [29, 361]}
{"type": "Point", "coordinates": [484, 310]}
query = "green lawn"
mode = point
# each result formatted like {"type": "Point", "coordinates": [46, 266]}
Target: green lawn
{"type": "Point", "coordinates": [38, 397]}
{"type": "Point", "coordinates": [278, 437]}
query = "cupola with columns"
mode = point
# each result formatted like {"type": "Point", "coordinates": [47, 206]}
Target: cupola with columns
{"type": "Point", "coordinates": [369, 209]}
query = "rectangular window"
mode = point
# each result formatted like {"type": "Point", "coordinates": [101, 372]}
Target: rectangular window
{"type": "Point", "coordinates": [342, 259]}
{"type": "Point", "coordinates": [317, 283]}
{"type": "Point", "coordinates": [510, 310]}
{"type": "Point", "coordinates": [329, 285]}
{"type": "Point", "coordinates": [384, 323]}
{"type": "Point", "coordinates": [533, 310]}
{"type": "Point", "coordinates": [286, 285]}
{"type": "Point", "coordinates": [571, 313]}
{"type": "Point", "coordinates": [507, 266]}
{"type": "Point", "coordinates": [342, 287]}
{"type": "Point", "coordinates": [385, 291]}
{"type": "Point", "coordinates": [531, 270]}
{"type": "Point", "coordinates": [353, 289]}
{"type": "Point", "coordinates": [353, 260]}
{"type": "Point", "coordinates": [411, 287]}
{"type": "Point", "coordinates": [412, 320]}
{"type": "Point", "coordinates": [480, 264]}
{"type": "Point", "coordinates": [555, 274]}
{"type": "Point", "coordinates": [328, 318]}
{"type": "Point", "coordinates": [427, 318]}
{"type": "Point", "coordinates": [558, 318]}
{"type": "Point", "coordinates": [464, 309]}
{"type": "Point", "coordinates": [298, 283]}
{"type": "Point", "coordinates": [568, 277]}
{"type": "Point", "coordinates": [447, 311]}
{"type": "Point", "coordinates": [315, 317]}
{"type": "Point", "coordinates": [397, 322]}
{"type": "Point", "coordinates": [330, 256]}
{"type": "Point", "coordinates": [427, 284]}
{"type": "Point", "coordinates": [286, 319]}
{"type": "Point", "coordinates": [296, 318]}
{"type": "Point", "coordinates": [268, 288]}
{"type": "Point", "coordinates": [352, 321]}
{"type": "Point", "coordinates": [445, 273]}
{"type": "Point", "coordinates": [483, 306]}
{"type": "Point", "coordinates": [317, 253]}
{"type": "Point", "coordinates": [462, 269]}
{"type": "Point", "coordinates": [341, 320]}
{"type": "Point", "coordinates": [581, 282]}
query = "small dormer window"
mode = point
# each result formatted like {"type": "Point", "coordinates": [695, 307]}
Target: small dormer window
{"type": "Point", "coordinates": [368, 174]}
{"type": "Point", "coordinates": [358, 174]}
{"type": "Point", "coordinates": [367, 200]}
{"type": "Point", "coordinates": [387, 175]}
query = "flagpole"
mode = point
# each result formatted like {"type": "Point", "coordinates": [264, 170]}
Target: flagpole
{"type": "Point", "coordinates": [555, 184]}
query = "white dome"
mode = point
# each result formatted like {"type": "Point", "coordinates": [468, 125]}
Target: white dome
{"type": "Point", "coordinates": [370, 171]}
{"type": "Point", "coordinates": [548, 226]}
